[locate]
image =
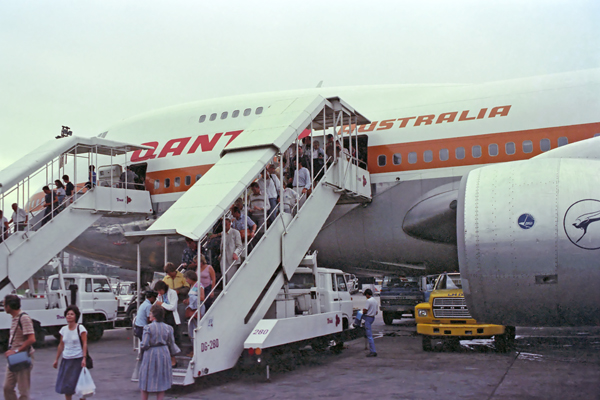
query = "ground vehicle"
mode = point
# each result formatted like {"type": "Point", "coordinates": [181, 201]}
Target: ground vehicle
{"type": "Point", "coordinates": [314, 309]}
{"type": "Point", "coordinates": [399, 295]}
{"type": "Point", "coordinates": [125, 292]}
{"type": "Point", "coordinates": [352, 282]}
{"type": "Point", "coordinates": [91, 293]}
{"type": "Point", "coordinates": [446, 317]}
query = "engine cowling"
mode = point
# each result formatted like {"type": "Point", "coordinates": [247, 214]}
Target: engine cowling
{"type": "Point", "coordinates": [529, 242]}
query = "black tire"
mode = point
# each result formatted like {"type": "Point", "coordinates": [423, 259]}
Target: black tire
{"type": "Point", "coordinates": [131, 312]}
{"type": "Point", "coordinates": [427, 343]}
{"type": "Point", "coordinates": [40, 335]}
{"type": "Point", "coordinates": [319, 345]}
{"type": "Point", "coordinates": [506, 341]}
{"type": "Point", "coordinates": [388, 318]}
{"type": "Point", "coordinates": [95, 332]}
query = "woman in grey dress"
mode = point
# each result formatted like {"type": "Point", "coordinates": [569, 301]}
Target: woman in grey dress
{"type": "Point", "coordinates": [157, 346]}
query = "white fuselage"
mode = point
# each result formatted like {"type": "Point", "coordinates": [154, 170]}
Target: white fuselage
{"type": "Point", "coordinates": [421, 141]}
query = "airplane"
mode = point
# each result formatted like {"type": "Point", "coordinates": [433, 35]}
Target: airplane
{"type": "Point", "coordinates": [422, 146]}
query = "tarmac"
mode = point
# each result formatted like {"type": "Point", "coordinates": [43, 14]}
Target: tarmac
{"type": "Point", "coordinates": [547, 363]}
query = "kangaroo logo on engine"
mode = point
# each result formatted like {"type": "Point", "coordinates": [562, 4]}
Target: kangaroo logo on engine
{"type": "Point", "coordinates": [582, 224]}
{"type": "Point", "coordinates": [526, 221]}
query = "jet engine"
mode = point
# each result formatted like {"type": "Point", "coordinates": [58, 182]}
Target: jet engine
{"type": "Point", "coordinates": [529, 242]}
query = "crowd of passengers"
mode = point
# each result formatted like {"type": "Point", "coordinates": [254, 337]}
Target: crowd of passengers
{"type": "Point", "coordinates": [183, 294]}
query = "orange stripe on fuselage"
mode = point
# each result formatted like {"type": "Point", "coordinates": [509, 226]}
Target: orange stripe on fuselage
{"type": "Point", "coordinates": [573, 133]}
{"type": "Point", "coordinates": [172, 174]}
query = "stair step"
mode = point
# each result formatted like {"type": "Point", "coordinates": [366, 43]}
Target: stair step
{"type": "Point", "coordinates": [179, 371]}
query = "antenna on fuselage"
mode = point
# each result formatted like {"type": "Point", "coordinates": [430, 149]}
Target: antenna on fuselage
{"type": "Point", "coordinates": [319, 84]}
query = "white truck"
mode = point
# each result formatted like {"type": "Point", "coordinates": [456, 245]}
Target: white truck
{"type": "Point", "coordinates": [91, 293]}
{"type": "Point", "coordinates": [314, 308]}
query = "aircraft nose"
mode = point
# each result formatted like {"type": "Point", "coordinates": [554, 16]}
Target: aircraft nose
{"type": "Point", "coordinates": [433, 219]}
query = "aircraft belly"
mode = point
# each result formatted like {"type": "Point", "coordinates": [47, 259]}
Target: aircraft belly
{"type": "Point", "coordinates": [366, 237]}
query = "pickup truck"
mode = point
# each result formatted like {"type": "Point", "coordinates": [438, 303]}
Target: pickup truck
{"type": "Point", "coordinates": [399, 296]}
{"type": "Point", "coordinates": [91, 293]}
{"type": "Point", "coordinates": [445, 317]}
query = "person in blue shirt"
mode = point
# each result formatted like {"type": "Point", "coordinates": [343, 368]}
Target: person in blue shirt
{"type": "Point", "coordinates": [143, 314]}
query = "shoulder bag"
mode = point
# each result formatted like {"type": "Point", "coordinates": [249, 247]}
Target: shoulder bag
{"type": "Point", "coordinates": [19, 361]}
{"type": "Point", "coordinates": [89, 363]}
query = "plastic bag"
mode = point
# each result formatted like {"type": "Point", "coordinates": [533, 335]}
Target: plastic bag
{"type": "Point", "coordinates": [85, 385]}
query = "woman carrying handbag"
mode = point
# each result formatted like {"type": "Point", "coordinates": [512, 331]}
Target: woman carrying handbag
{"type": "Point", "coordinates": [73, 347]}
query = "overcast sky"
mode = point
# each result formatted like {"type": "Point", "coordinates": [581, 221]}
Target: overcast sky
{"type": "Point", "coordinates": [89, 64]}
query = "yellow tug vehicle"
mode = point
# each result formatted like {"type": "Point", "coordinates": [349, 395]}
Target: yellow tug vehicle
{"type": "Point", "coordinates": [446, 317]}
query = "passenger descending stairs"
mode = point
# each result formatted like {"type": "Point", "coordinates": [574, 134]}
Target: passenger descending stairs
{"type": "Point", "coordinates": [23, 253]}
{"type": "Point", "coordinates": [248, 295]}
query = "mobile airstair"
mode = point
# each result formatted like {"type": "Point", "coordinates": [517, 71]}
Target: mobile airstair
{"type": "Point", "coordinates": [25, 251]}
{"type": "Point", "coordinates": [248, 294]}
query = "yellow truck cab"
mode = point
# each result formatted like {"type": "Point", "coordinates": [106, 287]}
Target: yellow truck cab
{"type": "Point", "coordinates": [445, 316]}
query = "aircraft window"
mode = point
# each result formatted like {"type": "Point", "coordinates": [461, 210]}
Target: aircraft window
{"type": "Point", "coordinates": [397, 159]}
{"type": "Point", "coordinates": [167, 182]}
{"type": "Point", "coordinates": [213, 116]}
{"type": "Point", "coordinates": [202, 118]}
{"type": "Point", "coordinates": [382, 160]}
{"type": "Point", "coordinates": [510, 148]}
{"type": "Point", "coordinates": [527, 146]}
{"type": "Point", "coordinates": [235, 114]}
{"type": "Point", "coordinates": [198, 177]}
{"type": "Point", "coordinates": [545, 144]}
{"type": "Point", "coordinates": [156, 183]}
{"type": "Point", "coordinates": [428, 156]}
{"type": "Point", "coordinates": [247, 112]}
{"type": "Point", "coordinates": [188, 180]}
{"type": "Point", "coordinates": [412, 157]}
{"type": "Point", "coordinates": [259, 110]}
{"type": "Point", "coordinates": [476, 151]}
{"type": "Point", "coordinates": [459, 153]}
{"type": "Point", "coordinates": [39, 201]}
{"type": "Point", "coordinates": [444, 155]}
{"type": "Point", "coordinates": [562, 141]}
{"type": "Point", "coordinates": [493, 149]}
{"type": "Point", "coordinates": [224, 115]}
{"type": "Point", "coordinates": [177, 181]}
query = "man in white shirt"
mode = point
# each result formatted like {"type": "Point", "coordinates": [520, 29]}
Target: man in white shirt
{"type": "Point", "coordinates": [19, 218]}
{"type": "Point", "coordinates": [231, 250]}
{"type": "Point", "coordinates": [272, 172]}
{"type": "Point", "coordinates": [289, 198]}
{"type": "Point", "coordinates": [302, 182]}
{"type": "Point", "coordinates": [4, 228]}
{"type": "Point", "coordinates": [369, 314]}
{"type": "Point", "coordinates": [258, 205]}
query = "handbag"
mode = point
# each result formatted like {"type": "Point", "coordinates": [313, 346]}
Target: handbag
{"type": "Point", "coordinates": [89, 363]}
{"type": "Point", "coordinates": [18, 361]}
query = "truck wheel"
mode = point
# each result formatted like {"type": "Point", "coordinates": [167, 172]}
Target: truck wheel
{"type": "Point", "coordinates": [319, 345]}
{"type": "Point", "coordinates": [427, 344]}
{"type": "Point", "coordinates": [388, 318]}
{"type": "Point", "coordinates": [40, 334]}
{"type": "Point", "coordinates": [95, 332]}
{"type": "Point", "coordinates": [506, 341]}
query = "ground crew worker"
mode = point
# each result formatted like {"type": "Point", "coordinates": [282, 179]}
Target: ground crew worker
{"type": "Point", "coordinates": [369, 314]}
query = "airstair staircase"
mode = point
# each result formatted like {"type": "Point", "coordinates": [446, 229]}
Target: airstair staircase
{"type": "Point", "coordinates": [24, 253]}
{"type": "Point", "coordinates": [247, 296]}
